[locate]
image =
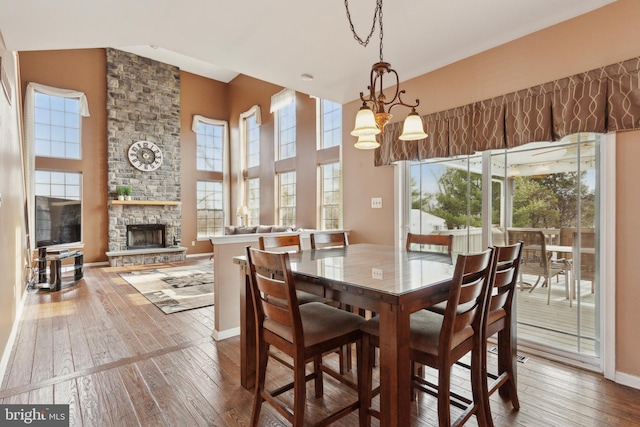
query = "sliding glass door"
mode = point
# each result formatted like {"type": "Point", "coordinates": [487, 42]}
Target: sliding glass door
{"type": "Point", "coordinates": [548, 188]}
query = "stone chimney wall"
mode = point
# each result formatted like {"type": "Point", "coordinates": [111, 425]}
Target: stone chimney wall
{"type": "Point", "coordinates": [143, 104]}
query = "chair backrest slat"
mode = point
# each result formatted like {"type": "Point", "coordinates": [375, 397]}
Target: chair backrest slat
{"type": "Point", "coordinates": [329, 239]}
{"type": "Point", "coordinates": [505, 276]}
{"type": "Point", "coordinates": [442, 240]}
{"type": "Point", "coordinates": [269, 290]}
{"type": "Point", "coordinates": [468, 295]}
{"type": "Point", "coordinates": [280, 242]}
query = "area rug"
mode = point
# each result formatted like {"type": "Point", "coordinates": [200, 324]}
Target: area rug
{"type": "Point", "coordinates": [174, 289]}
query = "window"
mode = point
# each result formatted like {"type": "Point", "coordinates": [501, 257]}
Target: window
{"type": "Point", "coordinates": [287, 198]}
{"type": "Point", "coordinates": [64, 185]}
{"type": "Point", "coordinates": [56, 126]}
{"type": "Point", "coordinates": [286, 130]}
{"type": "Point", "coordinates": [253, 201]}
{"type": "Point", "coordinates": [331, 196]}
{"type": "Point", "coordinates": [252, 132]}
{"type": "Point", "coordinates": [212, 186]}
{"type": "Point", "coordinates": [210, 212]}
{"type": "Point", "coordinates": [250, 122]}
{"type": "Point", "coordinates": [210, 143]}
{"type": "Point", "coordinates": [550, 188]}
{"type": "Point", "coordinates": [330, 121]}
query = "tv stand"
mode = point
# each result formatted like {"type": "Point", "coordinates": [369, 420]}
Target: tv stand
{"type": "Point", "coordinates": [56, 281]}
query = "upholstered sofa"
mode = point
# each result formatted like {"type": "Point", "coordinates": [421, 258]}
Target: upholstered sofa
{"type": "Point", "coordinates": [239, 229]}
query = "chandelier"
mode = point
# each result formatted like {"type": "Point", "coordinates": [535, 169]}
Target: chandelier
{"type": "Point", "coordinates": [375, 112]}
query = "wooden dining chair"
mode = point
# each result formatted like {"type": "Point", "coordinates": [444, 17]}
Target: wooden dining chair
{"type": "Point", "coordinates": [303, 332]}
{"type": "Point", "coordinates": [504, 279]}
{"type": "Point", "coordinates": [440, 241]}
{"type": "Point", "coordinates": [290, 242]}
{"type": "Point", "coordinates": [439, 341]}
{"type": "Point", "coordinates": [329, 239]}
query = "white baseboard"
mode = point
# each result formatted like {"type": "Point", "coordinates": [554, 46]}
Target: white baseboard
{"type": "Point", "coordinates": [628, 380]}
{"type": "Point", "coordinates": [6, 354]}
{"type": "Point", "coordinates": [227, 333]}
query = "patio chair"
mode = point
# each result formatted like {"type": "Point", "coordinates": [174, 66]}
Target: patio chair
{"type": "Point", "coordinates": [537, 261]}
{"type": "Point", "coordinates": [587, 260]}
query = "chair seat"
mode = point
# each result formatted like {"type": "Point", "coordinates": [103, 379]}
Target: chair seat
{"type": "Point", "coordinates": [424, 331]}
{"type": "Point", "coordinates": [320, 323]}
{"type": "Point", "coordinates": [307, 297]}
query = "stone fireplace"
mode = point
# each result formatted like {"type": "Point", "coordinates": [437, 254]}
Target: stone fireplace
{"type": "Point", "coordinates": [145, 236]}
{"type": "Point", "coordinates": [143, 104]}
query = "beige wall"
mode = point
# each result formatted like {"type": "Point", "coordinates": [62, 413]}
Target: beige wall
{"type": "Point", "coordinates": [208, 98]}
{"type": "Point", "coordinates": [603, 37]}
{"type": "Point", "coordinates": [83, 70]}
{"type": "Point", "coordinates": [12, 224]}
{"type": "Point", "coordinates": [244, 93]}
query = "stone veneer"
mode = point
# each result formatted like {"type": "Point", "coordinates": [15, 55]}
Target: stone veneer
{"type": "Point", "coordinates": [143, 104]}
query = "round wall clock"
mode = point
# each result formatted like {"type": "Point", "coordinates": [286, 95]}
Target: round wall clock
{"type": "Point", "coordinates": [145, 155]}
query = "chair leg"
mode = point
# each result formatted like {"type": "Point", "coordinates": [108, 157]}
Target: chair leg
{"type": "Point", "coordinates": [319, 381]}
{"type": "Point", "coordinates": [444, 398]}
{"type": "Point", "coordinates": [479, 388]}
{"type": "Point", "coordinates": [507, 364]}
{"type": "Point", "coordinates": [263, 358]}
{"type": "Point", "coordinates": [299, 393]}
{"type": "Point", "coordinates": [365, 380]}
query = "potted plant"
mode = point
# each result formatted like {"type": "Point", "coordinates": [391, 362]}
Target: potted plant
{"type": "Point", "coordinates": [127, 193]}
{"type": "Point", "coordinates": [121, 191]}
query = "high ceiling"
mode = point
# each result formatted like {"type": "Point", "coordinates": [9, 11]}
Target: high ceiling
{"type": "Point", "coordinates": [279, 40]}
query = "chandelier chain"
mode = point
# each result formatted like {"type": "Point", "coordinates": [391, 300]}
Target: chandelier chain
{"type": "Point", "coordinates": [381, 32]}
{"type": "Point", "coordinates": [377, 14]}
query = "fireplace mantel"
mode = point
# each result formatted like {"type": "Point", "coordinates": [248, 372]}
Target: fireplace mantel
{"type": "Point", "coordinates": [145, 202]}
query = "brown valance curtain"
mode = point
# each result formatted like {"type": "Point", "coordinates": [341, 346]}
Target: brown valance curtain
{"type": "Point", "coordinates": [603, 100]}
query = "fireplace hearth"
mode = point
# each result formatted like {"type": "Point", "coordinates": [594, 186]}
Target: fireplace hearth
{"type": "Point", "coordinates": [146, 236]}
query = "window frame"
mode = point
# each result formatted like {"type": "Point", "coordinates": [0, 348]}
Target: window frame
{"type": "Point", "coordinates": [280, 206]}
{"type": "Point", "coordinates": [322, 193]}
{"type": "Point", "coordinates": [220, 229]}
{"type": "Point", "coordinates": [222, 176]}
{"type": "Point", "coordinates": [321, 127]}
{"type": "Point", "coordinates": [278, 129]}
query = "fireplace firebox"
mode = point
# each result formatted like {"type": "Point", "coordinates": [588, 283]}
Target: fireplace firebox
{"type": "Point", "coordinates": [143, 236]}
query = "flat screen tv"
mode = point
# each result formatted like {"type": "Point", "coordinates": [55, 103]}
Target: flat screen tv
{"type": "Point", "coordinates": [58, 221]}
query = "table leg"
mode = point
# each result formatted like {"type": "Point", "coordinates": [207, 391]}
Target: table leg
{"type": "Point", "coordinates": [395, 367]}
{"type": "Point", "coordinates": [247, 334]}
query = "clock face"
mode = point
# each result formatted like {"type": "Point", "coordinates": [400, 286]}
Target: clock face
{"type": "Point", "coordinates": [145, 155]}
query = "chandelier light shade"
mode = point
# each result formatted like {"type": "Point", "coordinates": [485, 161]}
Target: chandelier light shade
{"type": "Point", "coordinates": [413, 127]}
{"type": "Point", "coordinates": [375, 112]}
{"type": "Point", "coordinates": [367, 142]}
{"type": "Point", "coordinates": [365, 123]}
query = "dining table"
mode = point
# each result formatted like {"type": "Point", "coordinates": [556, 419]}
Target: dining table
{"type": "Point", "coordinates": [387, 280]}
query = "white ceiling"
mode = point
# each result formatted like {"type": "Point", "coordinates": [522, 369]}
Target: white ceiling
{"type": "Point", "coordinates": [279, 40]}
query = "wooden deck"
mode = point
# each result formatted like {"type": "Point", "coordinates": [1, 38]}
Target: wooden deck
{"type": "Point", "coordinates": [556, 324]}
{"type": "Point", "coordinates": [117, 360]}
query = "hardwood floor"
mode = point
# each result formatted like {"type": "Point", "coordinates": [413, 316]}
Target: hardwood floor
{"type": "Point", "coordinates": [117, 360]}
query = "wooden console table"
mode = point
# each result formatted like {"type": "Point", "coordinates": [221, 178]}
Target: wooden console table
{"type": "Point", "coordinates": [55, 282]}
